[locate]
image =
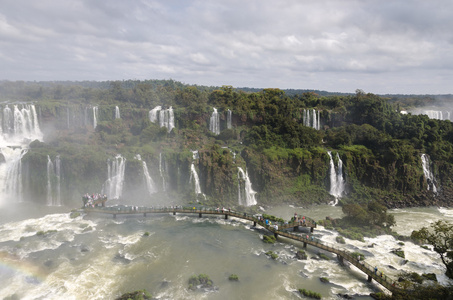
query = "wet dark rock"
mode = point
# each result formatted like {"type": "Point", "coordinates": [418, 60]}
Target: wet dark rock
{"type": "Point", "coordinates": [164, 284]}
{"type": "Point", "coordinates": [345, 296]}
{"type": "Point", "coordinates": [121, 258]}
{"type": "Point", "coordinates": [324, 280]}
{"type": "Point", "coordinates": [301, 255]}
{"type": "Point", "coordinates": [48, 263]}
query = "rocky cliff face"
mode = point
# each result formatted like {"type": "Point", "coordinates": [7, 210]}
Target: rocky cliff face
{"type": "Point", "coordinates": [277, 141]}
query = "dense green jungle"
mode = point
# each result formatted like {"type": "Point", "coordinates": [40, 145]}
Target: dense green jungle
{"type": "Point", "coordinates": [286, 160]}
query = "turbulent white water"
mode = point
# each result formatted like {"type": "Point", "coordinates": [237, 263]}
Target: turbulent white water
{"type": "Point", "coordinates": [113, 186]}
{"type": "Point", "coordinates": [97, 257]}
{"type": "Point", "coordinates": [337, 183]}
{"type": "Point", "coordinates": [117, 113]}
{"type": "Point", "coordinates": [229, 119]}
{"type": "Point", "coordinates": [246, 195]}
{"type": "Point", "coordinates": [214, 122]}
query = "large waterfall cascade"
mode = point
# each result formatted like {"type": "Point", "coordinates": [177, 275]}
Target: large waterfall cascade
{"type": "Point", "coordinates": [311, 118]}
{"type": "Point", "coordinates": [95, 117]}
{"type": "Point", "coordinates": [214, 122]}
{"type": "Point", "coordinates": [113, 186]}
{"type": "Point", "coordinates": [195, 180]}
{"type": "Point", "coordinates": [427, 171]}
{"type": "Point", "coordinates": [246, 195]}
{"type": "Point", "coordinates": [150, 185]}
{"type": "Point", "coordinates": [19, 126]}
{"type": "Point", "coordinates": [337, 182]}
{"type": "Point", "coordinates": [165, 117]}
{"type": "Point", "coordinates": [117, 113]}
{"type": "Point", "coordinates": [229, 119]}
{"type": "Point", "coordinates": [53, 181]}
{"type": "Point", "coordinates": [437, 114]}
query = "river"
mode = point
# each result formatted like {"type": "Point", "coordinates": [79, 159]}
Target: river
{"type": "Point", "coordinates": [98, 257]}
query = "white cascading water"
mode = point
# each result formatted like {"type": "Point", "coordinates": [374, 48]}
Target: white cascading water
{"type": "Point", "coordinates": [162, 175]}
{"type": "Point", "coordinates": [229, 119]}
{"type": "Point", "coordinates": [153, 113]}
{"type": "Point", "coordinates": [337, 184]}
{"type": "Point", "coordinates": [113, 186]}
{"type": "Point", "coordinates": [246, 195]}
{"type": "Point", "coordinates": [214, 122]}
{"type": "Point", "coordinates": [58, 183]}
{"type": "Point", "coordinates": [429, 176]}
{"type": "Point", "coordinates": [50, 175]}
{"type": "Point", "coordinates": [150, 185]}
{"type": "Point", "coordinates": [53, 182]}
{"type": "Point", "coordinates": [195, 154]}
{"type": "Point", "coordinates": [165, 117]}
{"type": "Point", "coordinates": [95, 117]}
{"type": "Point", "coordinates": [196, 180]}
{"type": "Point", "coordinates": [18, 127]}
{"type": "Point", "coordinates": [311, 119]}
{"type": "Point", "coordinates": [117, 113]}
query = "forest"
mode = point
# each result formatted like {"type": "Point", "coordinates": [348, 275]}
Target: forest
{"type": "Point", "coordinates": [287, 141]}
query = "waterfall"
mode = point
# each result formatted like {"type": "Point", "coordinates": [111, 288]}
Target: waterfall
{"type": "Point", "coordinates": [248, 193]}
{"type": "Point", "coordinates": [337, 184]}
{"type": "Point", "coordinates": [311, 118]}
{"type": "Point", "coordinates": [153, 114]}
{"type": "Point", "coordinates": [195, 154]}
{"type": "Point", "coordinates": [214, 122]}
{"type": "Point", "coordinates": [429, 176]}
{"type": "Point", "coordinates": [50, 174]}
{"type": "Point", "coordinates": [164, 116]}
{"type": "Point", "coordinates": [19, 126]}
{"type": "Point", "coordinates": [11, 175]}
{"type": "Point", "coordinates": [58, 177]}
{"type": "Point", "coordinates": [150, 185]}
{"type": "Point", "coordinates": [117, 112]}
{"type": "Point", "coordinates": [161, 172]}
{"type": "Point", "coordinates": [196, 180]}
{"type": "Point", "coordinates": [113, 186]}
{"type": "Point", "coordinates": [229, 118]}
{"type": "Point", "coordinates": [95, 116]}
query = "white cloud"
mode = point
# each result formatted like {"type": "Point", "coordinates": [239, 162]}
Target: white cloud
{"type": "Point", "coordinates": [377, 46]}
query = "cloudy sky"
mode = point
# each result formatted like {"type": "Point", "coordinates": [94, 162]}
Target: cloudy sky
{"type": "Point", "coordinates": [391, 46]}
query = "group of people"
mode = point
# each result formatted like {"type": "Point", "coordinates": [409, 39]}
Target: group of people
{"type": "Point", "coordinates": [93, 199]}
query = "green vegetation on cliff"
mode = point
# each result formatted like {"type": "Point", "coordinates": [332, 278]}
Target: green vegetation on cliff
{"type": "Point", "coordinates": [270, 137]}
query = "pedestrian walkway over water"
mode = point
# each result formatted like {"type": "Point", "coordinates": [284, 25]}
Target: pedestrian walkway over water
{"type": "Point", "coordinates": [277, 228]}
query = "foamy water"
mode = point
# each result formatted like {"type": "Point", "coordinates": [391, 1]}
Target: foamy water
{"type": "Point", "coordinates": [96, 257]}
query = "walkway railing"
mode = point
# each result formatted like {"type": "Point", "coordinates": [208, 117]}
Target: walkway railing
{"type": "Point", "coordinates": [276, 228]}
